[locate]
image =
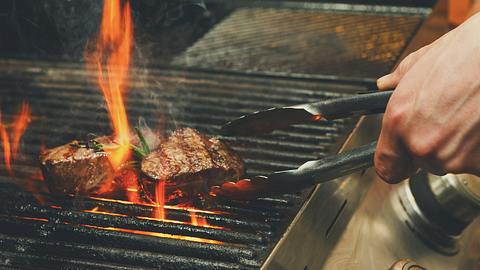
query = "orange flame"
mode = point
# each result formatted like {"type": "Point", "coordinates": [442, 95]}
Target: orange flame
{"type": "Point", "coordinates": [195, 220]}
{"type": "Point", "coordinates": [19, 127]}
{"type": "Point", "coordinates": [317, 117]}
{"type": "Point", "coordinates": [132, 188]}
{"type": "Point", "coordinates": [11, 147]}
{"type": "Point", "coordinates": [133, 193]}
{"type": "Point", "coordinates": [6, 148]}
{"type": "Point", "coordinates": [159, 212]}
{"type": "Point", "coordinates": [111, 59]}
{"type": "Point", "coordinates": [170, 207]}
{"type": "Point", "coordinates": [198, 220]}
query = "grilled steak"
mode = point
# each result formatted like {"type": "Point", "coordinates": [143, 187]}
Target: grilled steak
{"type": "Point", "coordinates": [75, 168]}
{"type": "Point", "coordinates": [82, 168]}
{"type": "Point", "coordinates": [187, 155]}
{"type": "Point", "coordinates": [189, 162]}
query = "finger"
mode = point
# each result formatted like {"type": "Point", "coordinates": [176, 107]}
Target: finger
{"type": "Point", "coordinates": [392, 161]}
{"type": "Point", "coordinates": [391, 80]}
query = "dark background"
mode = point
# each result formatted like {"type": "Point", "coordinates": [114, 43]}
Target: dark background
{"type": "Point", "coordinates": [61, 28]}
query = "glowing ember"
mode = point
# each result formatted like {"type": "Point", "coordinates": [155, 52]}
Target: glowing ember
{"type": "Point", "coordinates": [33, 218]}
{"type": "Point", "coordinates": [111, 59]}
{"type": "Point", "coordinates": [157, 234]}
{"type": "Point", "coordinates": [96, 211]}
{"type": "Point", "coordinates": [198, 220]}
{"type": "Point", "coordinates": [316, 117]}
{"type": "Point", "coordinates": [172, 207]}
{"type": "Point", "coordinates": [159, 212]}
{"type": "Point", "coordinates": [132, 194]}
{"type": "Point", "coordinates": [130, 180]}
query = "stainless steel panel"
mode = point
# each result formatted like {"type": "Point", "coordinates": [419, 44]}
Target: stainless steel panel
{"type": "Point", "coordinates": [315, 230]}
{"type": "Point", "coordinates": [378, 235]}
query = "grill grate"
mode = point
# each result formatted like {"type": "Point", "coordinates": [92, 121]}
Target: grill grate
{"type": "Point", "coordinates": [63, 232]}
{"type": "Point", "coordinates": [304, 42]}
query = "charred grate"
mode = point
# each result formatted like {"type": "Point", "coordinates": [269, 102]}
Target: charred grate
{"type": "Point", "coordinates": [303, 41]}
{"type": "Point", "coordinates": [63, 232]}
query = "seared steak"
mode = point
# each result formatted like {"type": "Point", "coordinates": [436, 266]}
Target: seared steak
{"type": "Point", "coordinates": [187, 161]}
{"type": "Point", "coordinates": [189, 156]}
{"type": "Point", "coordinates": [75, 168]}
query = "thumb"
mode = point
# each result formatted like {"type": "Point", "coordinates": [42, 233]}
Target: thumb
{"type": "Point", "coordinates": [388, 81]}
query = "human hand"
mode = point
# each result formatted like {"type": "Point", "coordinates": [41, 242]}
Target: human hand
{"type": "Point", "coordinates": [432, 120]}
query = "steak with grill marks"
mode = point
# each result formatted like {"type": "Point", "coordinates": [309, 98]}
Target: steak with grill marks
{"type": "Point", "coordinates": [84, 168]}
{"type": "Point", "coordinates": [75, 168]}
{"type": "Point", "coordinates": [187, 156]}
{"type": "Point", "coordinates": [188, 161]}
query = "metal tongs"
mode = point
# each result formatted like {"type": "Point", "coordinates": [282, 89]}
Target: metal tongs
{"type": "Point", "coordinates": [312, 172]}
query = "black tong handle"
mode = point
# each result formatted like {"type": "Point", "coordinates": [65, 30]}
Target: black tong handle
{"type": "Point", "coordinates": [323, 170]}
{"type": "Point", "coordinates": [266, 121]}
{"type": "Point", "coordinates": [360, 104]}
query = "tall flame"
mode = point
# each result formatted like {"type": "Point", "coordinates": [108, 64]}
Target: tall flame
{"type": "Point", "coordinates": [6, 148]}
{"type": "Point", "coordinates": [111, 59]}
{"type": "Point", "coordinates": [19, 127]}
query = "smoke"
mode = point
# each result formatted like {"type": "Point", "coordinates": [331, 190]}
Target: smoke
{"type": "Point", "coordinates": [162, 29]}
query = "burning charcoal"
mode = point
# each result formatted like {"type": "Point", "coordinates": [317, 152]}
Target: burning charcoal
{"type": "Point", "coordinates": [189, 162]}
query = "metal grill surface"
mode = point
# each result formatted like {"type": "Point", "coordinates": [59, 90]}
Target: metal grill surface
{"type": "Point", "coordinates": [57, 231]}
{"type": "Point", "coordinates": [303, 41]}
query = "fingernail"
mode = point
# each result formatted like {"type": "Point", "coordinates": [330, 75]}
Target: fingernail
{"type": "Point", "coordinates": [383, 82]}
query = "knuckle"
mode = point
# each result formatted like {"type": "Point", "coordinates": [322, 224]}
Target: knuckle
{"type": "Point", "coordinates": [395, 116]}
{"type": "Point", "coordinates": [421, 147]}
{"type": "Point", "coordinates": [428, 145]}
